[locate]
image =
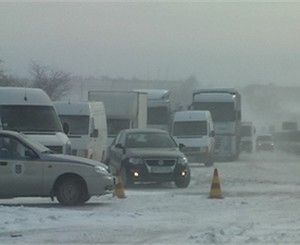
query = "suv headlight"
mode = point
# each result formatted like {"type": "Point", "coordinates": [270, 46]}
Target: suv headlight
{"type": "Point", "coordinates": [101, 170]}
{"type": "Point", "coordinates": [135, 160]}
{"type": "Point", "coordinates": [182, 160]}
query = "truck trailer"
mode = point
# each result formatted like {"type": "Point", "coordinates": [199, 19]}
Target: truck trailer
{"type": "Point", "coordinates": [124, 109]}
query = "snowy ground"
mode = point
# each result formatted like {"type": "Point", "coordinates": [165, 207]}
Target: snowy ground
{"type": "Point", "coordinates": [260, 206]}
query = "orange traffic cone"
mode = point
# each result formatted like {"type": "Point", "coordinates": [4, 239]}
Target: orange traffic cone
{"type": "Point", "coordinates": [215, 190]}
{"type": "Point", "coordinates": [119, 190]}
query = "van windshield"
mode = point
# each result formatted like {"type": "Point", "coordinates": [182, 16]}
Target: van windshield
{"type": "Point", "coordinates": [25, 118]}
{"type": "Point", "coordinates": [79, 125]}
{"type": "Point", "coordinates": [190, 129]}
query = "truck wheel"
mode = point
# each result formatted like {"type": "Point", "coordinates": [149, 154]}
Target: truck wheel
{"type": "Point", "coordinates": [183, 181]}
{"type": "Point", "coordinates": [209, 162]}
{"type": "Point", "coordinates": [71, 192]}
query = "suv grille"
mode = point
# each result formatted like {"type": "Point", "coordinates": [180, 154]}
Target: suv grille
{"type": "Point", "coordinates": [160, 162]}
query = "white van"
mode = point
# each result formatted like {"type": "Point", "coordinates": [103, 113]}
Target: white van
{"type": "Point", "coordinates": [195, 130]}
{"type": "Point", "coordinates": [31, 111]}
{"type": "Point", "coordinates": [87, 127]}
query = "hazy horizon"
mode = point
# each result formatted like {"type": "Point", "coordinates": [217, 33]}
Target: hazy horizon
{"type": "Point", "coordinates": [228, 44]}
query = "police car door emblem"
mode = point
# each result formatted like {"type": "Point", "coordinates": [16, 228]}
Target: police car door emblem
{"type": "Point", "coordinates": [18, 168]}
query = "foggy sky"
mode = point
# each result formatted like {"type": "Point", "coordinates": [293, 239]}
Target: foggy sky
{"type": "Point", "coordinates": [219, 43]}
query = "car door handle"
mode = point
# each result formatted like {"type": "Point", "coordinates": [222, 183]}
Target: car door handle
{"type": "Point", "coordinates": [3, 163]}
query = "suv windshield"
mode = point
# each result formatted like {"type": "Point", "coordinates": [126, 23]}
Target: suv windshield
{"type": "Point", "coordinates": [149, 140]}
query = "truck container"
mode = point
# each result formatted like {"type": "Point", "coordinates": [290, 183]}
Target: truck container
{"type": "Point", "coordinates": [158, 108]}
{"type": "Point", "coordinates": [124, 109]}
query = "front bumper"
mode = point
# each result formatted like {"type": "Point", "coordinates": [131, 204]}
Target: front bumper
{"type": "Point", "coordinates": [142, 173]}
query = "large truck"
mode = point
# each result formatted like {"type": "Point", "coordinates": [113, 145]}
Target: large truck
{"type": "Point", "coordinates": [159, 108]}
{"type": "Point", "coordinates": [124, 109]}
{"type": "Point", "coordinates": [225, 108]}
{"type": "Point", "coordinates": [31, 111]}
{"type": "Point", "coordinates": [247, 137]}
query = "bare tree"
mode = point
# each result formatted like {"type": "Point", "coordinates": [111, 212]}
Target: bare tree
{"type": "Point", "coordinates": [56, 83]}
{"type": "Point", "coordinates": [8, 80]}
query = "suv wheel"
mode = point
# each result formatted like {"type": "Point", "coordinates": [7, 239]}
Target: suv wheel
{"type": "Point", "coordinates": [183, 181]}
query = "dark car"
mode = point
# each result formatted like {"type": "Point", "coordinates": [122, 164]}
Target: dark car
{"type": "Point", "coordinates": [148, 155]}
{"type": "Point", "coordinates": [264, 143]}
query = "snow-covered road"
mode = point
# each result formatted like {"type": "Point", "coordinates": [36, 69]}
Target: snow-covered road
{"type": "Point", "coordinates": [260, 206]}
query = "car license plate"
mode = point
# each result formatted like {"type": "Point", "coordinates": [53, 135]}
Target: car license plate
{"type": "Point", "coordinates": [161, 170]}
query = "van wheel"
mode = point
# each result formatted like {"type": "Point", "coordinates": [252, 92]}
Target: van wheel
{"type": "Point", "coordinates": [70, 192]}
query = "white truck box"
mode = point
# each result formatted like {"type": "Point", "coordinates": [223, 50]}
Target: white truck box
{"type": "Point", "coordinates": [124, 109]}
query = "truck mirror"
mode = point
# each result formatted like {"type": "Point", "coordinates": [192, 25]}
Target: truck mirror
{"type": "Point", "coordinates": [95, 133]}
{"type": "Point", "coordinates": [212, 133]}
{"type": "Point", "coordinates": [66, 128]}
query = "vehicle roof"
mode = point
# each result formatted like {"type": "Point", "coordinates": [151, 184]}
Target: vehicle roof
{"type": "Point", "coordinates": [155, 94]}
{"type": "Point", "coordinates": [191, 115]}
{"type": "Point", "coordinates": [76, 107]}
{"type": "Point", "coordinates": [23, 96]}
{"type": "Point", "coordinates": [9, 132]}
{"type": "Point", "coordinates": [144, 130]}
{"type": "Point", "coordinates": [216, 90]}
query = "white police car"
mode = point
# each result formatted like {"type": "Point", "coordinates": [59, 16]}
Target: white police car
{"type": "Point", "coordinates": [29, 169]}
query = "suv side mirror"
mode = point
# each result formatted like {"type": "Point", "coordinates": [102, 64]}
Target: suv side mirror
{"type": "Point", "coordinates": [120, 146]}
{"type": "Point", "coordinates": [181, 146]}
